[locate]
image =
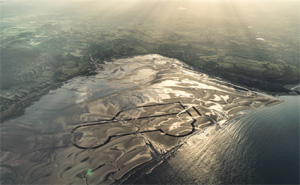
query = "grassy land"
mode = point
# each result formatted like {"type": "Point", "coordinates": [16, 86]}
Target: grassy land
{"type": "Point", "coordinates": [43, 45]}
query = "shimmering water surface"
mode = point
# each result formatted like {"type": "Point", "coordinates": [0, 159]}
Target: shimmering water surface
{"type": "Point", "coordinates": [261, 147]}
{"type": "Point", "coordinates": [126, 120]}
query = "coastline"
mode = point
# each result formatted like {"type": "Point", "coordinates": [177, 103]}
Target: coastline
{"type": "Point", "coordinates": [132, 111]}
{"type": "Point", "coordinates": [16, 108]}
{"type": "Point", "coordinates": [256, 134]}
{"type": "Point", "coordinates": [274, 88]}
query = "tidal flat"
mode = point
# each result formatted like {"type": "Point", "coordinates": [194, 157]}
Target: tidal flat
{"type": "Point", "coordinates": [100, 129]}
{"type": "Point", "coordinates": [45, 43]}
{"type": "Point", "coordinates": [103, 92]}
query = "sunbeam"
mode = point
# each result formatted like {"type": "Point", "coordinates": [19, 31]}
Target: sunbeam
{"type": "Point", "coordinates": [149, 91]}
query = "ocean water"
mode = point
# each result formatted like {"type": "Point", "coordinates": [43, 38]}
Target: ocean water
{"type": "Point", "coordinates": [260, 147]}
{"type": "Point", "coordinates": [135, 112]}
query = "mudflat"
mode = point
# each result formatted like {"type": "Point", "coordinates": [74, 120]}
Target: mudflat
{"type": "Point", "coordinates": [101, 128]}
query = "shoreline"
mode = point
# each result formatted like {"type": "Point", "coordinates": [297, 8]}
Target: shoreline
{"type": "Point", "coordinates": [270, 87]}
{"type": "Point", "coordinates": [138, 108]}
{"type": "Point", "coordinates": [17, 108]}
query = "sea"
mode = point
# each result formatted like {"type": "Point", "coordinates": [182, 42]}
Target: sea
{"type": "Point", "coordinates": [259, 147]}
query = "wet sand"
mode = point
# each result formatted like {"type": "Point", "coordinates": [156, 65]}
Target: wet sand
{"type": "Point", "coordinates": [99, 129]}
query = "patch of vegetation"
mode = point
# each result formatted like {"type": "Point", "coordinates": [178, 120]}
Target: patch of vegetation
{"type": "Point", "coordinates": [47, 46]}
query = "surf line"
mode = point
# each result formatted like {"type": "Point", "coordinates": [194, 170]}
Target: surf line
{"type": "Point", "coordinates": [102, 122]}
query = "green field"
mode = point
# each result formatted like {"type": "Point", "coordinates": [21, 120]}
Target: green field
{"type": "Point", "coordinates": [44, 43]}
